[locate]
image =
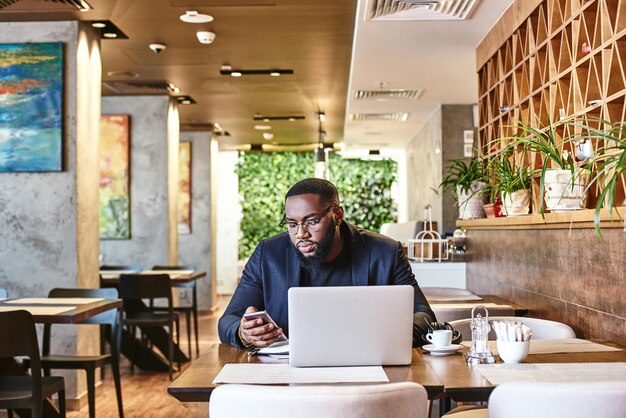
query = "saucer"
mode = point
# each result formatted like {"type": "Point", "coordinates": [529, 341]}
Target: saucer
{"type": "Point", "coordinates": [442, 351]}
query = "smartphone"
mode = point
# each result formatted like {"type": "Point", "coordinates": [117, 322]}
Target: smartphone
{"type": "Point", "coordinates": [265, 317]}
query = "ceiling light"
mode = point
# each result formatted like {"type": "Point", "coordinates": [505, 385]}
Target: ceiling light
{"type": "Point", "coordinates": [122, 74]}
{"type": "Point", "coordinates": [172, 87]}
{"type": "Point", "coordinates": [262, 127]}
{"type": "Point", "coordinates": [266, 118]}
{"type": "Point", "coordinates": [268, 135]}
{"type": "Point", "coordinates": [108, 30]}
{"type": "Point", "coordinates": [192, 16]}
{"type": "Point", "coordinates": [235, 74]}
{"type": "Point", "coordinates": [321, 116]}
{"type": "Point", "coordinates": [205, 37]}
{"type": "Point", "coordinates": [185, 100]}
{"type": "Point", "coordinates": [227, 70]}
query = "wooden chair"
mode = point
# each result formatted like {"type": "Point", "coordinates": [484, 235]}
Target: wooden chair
{"type": "Point", "coordinates": [542, 328]}
{"type": "Point", "coordinates": [188, 310]}
{"type": "Point", "coordinates": [19, 338]}
{"type": "Point", "coordinates": [109, 321]}
{"type": "Point", "coordinates": [398, 400]}
{"type": "Point", "coordinates": [134, 288]}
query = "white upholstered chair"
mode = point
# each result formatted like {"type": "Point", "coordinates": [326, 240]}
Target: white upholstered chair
{"type": "Point", "coordinates": [552, 400]}
{"type": "Point", "coordinates": [542, 328]}
{"type": "Point", "coordinates": [400, 231]}
{"type": "Point", "coordinates": [449, 314]}
{"type": "Point", "coordinates": [391, 400]}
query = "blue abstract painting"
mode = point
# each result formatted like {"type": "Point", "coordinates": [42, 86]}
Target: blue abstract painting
{"type": "Point", "coordinates": [31, 107]}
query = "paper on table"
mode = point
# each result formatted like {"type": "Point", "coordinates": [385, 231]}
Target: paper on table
{"type": "Point", "coordinates": [552, 372]}
{"type": "Point", "coordinates": [563, 345]}
{"type": "Point", "coordinates": [269, 374]}
{"type": "Point", "coordinates": [279, 348]}
{"type": "Point", "coordinates": [38, 310]}
{"type": "Point", "coordinates": [54, 301]}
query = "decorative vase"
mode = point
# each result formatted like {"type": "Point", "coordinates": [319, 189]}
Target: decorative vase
{"type": "Point", "coordinates": [494, 210]}
{"type": "Point", "coordinates": [471, 201]}
{"type": "Point", "coordinates": [561, 194]}
{"type": "Point", "coordinates": [516, 203]}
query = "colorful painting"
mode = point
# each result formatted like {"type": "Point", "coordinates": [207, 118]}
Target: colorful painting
{"type": "Point", "coordinates": [184, 188]}
{"type": "Point", "coordinates": [114, 177]}
{"type": "Point", "coordinates": [31, 107]}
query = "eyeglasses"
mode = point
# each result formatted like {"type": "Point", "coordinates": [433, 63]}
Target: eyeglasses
{"type": "Point", "coordinates": [311, 225]}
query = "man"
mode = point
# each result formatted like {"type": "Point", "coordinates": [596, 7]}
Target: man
{"type": "Point", "coordinates": [318, 248]}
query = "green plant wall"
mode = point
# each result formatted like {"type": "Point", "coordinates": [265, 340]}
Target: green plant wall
{"type": "Point", "coordinates": [264, 179]}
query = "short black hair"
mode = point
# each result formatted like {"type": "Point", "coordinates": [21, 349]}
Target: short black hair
{"type": "Point", "coordinates": [323, 188]}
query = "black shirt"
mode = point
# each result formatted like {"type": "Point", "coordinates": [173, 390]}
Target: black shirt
{"type": "Point", "coordinates": [336, 273]}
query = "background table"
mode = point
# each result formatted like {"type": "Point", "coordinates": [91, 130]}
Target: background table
{"type": "Point", "coordinates": [78, 313]}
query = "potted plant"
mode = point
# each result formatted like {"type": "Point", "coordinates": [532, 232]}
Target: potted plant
{"type": "Point", "coordinates": [466, 180]}
{"type": "Point", "coordinates": [562, 182]}
{"type": "Point", "coordinates": [512, 183]}
{"type": "Point", "coordinates": [607, 165]}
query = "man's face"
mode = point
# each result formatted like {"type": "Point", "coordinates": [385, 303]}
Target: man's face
{"type": "Point", "coordinates": [313, 243]}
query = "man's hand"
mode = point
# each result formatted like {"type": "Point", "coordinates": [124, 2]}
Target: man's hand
{"type": "Point", "coordinates": [256, 332]}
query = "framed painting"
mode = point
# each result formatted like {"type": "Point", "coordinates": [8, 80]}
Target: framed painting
{"type": "Point", "coordinates": [31, 107]}
{"type": "Point", "coordinates": [115, 177]}
{"type": "Point", "coordinates": [184, 188]}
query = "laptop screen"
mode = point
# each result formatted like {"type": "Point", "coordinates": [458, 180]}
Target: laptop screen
{"type": "Point", "coordinates": [350, 326]}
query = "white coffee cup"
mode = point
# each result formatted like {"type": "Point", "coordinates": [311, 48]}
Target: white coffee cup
{"type": "Point", "coordinates": [440, 337]}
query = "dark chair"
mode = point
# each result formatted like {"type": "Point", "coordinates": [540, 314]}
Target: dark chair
{"type": "Point", "coordinates": [3, 293]}
{"type": "Point", "coordinates": [109, 322]}
{"type": "Point", "coordinates": [19, 338]}
{"type": "Point", "coordinates": [134, 288]}
{"type": "Point", "coordinates": [189, 309]}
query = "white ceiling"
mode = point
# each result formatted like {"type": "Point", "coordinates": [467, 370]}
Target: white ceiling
{"type": "Point", "coordinates": [438, 56]}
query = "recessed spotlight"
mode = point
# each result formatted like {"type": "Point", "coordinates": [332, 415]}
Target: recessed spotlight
{"type": "Point", "coordinates": [109, 35]}
{"type": "Point", "coordinates": [228, 70]}
{"type": "Point", "coordinates": [192, 16]}
{"type": "Point", "coordinates": [235, 74]}
{"type": "Point", "coordinates": [292, 119]}
{"type": "Point", "coordinates": [99, 25]}
{"type": "Point", "coordinates": [268, 135]}
{"type": "Point", "coordinates": [185, 100]}
{"type": "Point", "coordinates": [275, 74]}
{"type": "Point", "coordinates": [262, 127]}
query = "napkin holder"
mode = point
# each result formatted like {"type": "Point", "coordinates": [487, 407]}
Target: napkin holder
{"type": "Point", "coordinates": [479, 352]}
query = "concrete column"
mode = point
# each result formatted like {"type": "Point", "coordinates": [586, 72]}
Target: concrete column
{"type": "Point", "coordinates": [49, 236]}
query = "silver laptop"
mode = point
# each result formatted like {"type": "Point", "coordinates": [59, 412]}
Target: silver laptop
{"type": "Point", "coordinates": [350, 326]}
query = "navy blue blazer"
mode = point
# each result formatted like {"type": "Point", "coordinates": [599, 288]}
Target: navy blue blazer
{"type": "Point", "coordinates": [274, 267]}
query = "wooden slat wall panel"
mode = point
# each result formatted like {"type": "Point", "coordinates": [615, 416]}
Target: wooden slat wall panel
{"type": "Point", "coordinates": [567, 276]}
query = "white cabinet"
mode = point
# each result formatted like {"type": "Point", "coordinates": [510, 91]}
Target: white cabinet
{"type": "Point", "coordinates": [444, 274]}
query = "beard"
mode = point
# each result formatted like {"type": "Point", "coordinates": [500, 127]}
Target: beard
{"type": "Point", "coordinates": [321, 250]}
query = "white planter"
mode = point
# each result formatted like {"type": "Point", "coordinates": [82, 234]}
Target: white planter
{"type": "Point", "coordinates": [561, 193]}
{"type": "Point", "coordinates": [471, 202]}
{"type": "Point", "coordinates": [516, 203]}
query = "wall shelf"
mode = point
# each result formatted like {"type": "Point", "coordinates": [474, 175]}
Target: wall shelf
{"type": "Point", "coordinates": [564, 220]}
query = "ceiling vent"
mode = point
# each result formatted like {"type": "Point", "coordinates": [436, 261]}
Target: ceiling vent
{"type": "Point", "coordinates": [81, 5]}
{"type": "Point", "coordinates": [141, 86]}
{"type": "Point", "coordinates": [398, 117]}
{"type": "Point", "coordinates": [420, 9]}
{"type": "Point", "coordinates": [388, 94]}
